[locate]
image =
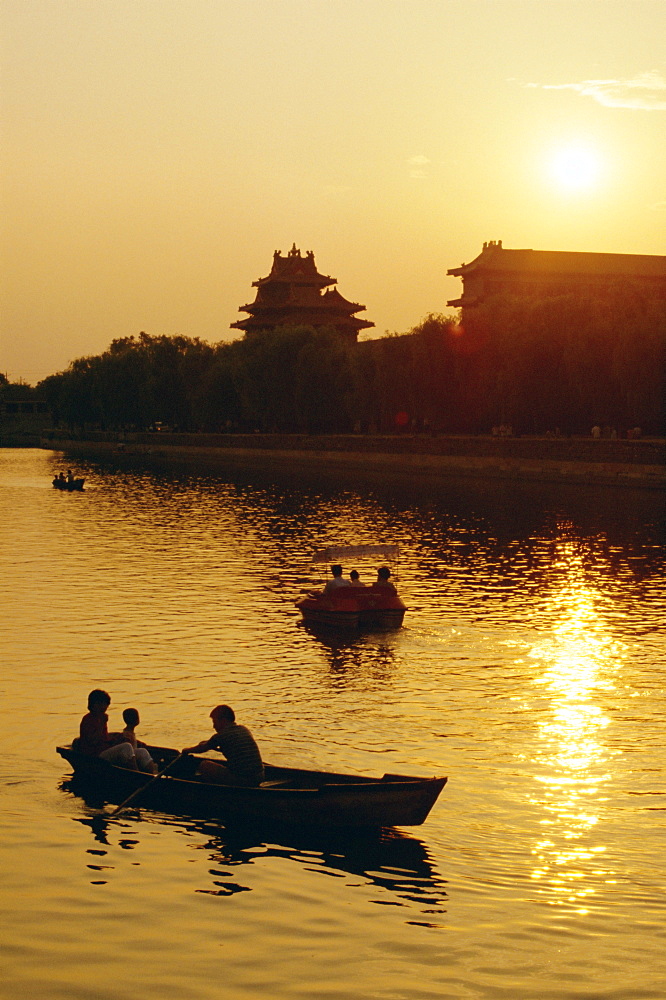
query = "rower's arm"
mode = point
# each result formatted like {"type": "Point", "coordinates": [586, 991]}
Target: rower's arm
{"type": "Point", "coordinates": [199, 748]}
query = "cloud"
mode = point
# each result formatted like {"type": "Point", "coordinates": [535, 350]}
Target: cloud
{"type": "Point", "coordinates": [417, 164]}
{"type": "Point", "coordinates": [645, 92]}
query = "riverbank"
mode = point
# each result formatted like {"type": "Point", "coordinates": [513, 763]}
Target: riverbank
{"type": "Point", "coordinates": [640, 463]}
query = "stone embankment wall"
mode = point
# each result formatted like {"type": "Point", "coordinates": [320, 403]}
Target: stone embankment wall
{"type": "Point", "coordinates": [22, 423]}
{"type": "Point", "coordinates": [617, 462]}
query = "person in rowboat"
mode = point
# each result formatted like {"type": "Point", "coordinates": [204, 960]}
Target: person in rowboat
{"type": "Point", "coordinates": [143, 758]}
{"type": "Point", "coordinates": [94, 736]}
{"type": "Point", "coordinates": [243, 765]}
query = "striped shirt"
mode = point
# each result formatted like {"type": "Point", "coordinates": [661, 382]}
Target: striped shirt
{"type": "Point", "coordinates": [242, 753]}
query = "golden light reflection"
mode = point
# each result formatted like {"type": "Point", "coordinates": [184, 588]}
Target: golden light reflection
{"type": "Point", "coordinates": [579, 662]}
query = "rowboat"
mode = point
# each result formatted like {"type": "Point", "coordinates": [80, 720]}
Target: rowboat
{"type": "Point", "coordinates": [287, 796]}
{"type": "Point", "coordinates": [373, 607]}
{"type": "Point", "coordinates": [68, 485]}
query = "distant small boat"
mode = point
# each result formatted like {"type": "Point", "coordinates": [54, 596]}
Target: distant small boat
{"type": "Point", "coordinates": [287, 796]}
{"type": "Point", "coordinates": [69, 485]}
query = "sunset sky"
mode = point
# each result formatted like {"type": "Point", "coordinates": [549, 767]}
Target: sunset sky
{"type": "Point", "coordinates": [155, 153]}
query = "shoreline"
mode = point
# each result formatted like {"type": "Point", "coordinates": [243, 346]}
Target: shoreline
{"type": "Point", "coordinates": [636, 463]}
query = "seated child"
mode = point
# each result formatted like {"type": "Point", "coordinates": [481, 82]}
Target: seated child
{"type": "Point", "coordinates": [144, 761]}
{"type": "Point", "coordinates": [94, 736]}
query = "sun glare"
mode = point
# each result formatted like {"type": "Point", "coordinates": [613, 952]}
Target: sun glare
{"type": "Point", "coordinates": [575, 168]}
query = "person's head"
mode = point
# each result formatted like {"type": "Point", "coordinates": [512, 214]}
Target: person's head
{"type": "Point", "coordinates": [353, 575]}
{"type": "Point", "coordinates": [222, 716]}
{"type": "Point", "coordinates": [98, 700]}
{"type": "Point", "coordinates": [131, 717]}
{"type": "Point", "coordinates": [383, 573]}
{"type": "Point", "coordinates": [336, 570]}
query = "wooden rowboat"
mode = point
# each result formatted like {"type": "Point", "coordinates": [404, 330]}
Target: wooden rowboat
{"type": "Point", "coordinates": [287, 796]}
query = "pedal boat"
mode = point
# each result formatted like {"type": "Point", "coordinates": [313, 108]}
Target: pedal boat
{"type": "Point", "coordinates": [368, 607]}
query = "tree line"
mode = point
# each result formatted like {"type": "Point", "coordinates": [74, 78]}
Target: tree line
{"type": "Point", "coordinates": [558, 365]}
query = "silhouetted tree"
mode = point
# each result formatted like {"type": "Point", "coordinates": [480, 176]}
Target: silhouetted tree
{"type": "Point", "coordinates": [416, 373]}
{"type": "Point", "coordinates": [566, 362]}
{"type": "Point", "coordinates": [569, 361]}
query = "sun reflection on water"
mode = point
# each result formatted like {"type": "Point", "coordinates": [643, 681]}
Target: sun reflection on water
{"type": "Point", "coordinates": [579, 660]}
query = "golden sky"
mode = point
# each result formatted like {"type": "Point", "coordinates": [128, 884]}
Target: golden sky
{"type": "Point", "coordinates": [156, 152]}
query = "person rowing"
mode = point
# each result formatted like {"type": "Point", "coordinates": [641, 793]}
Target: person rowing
{"type": "Point", "coordinates": [243, 765]}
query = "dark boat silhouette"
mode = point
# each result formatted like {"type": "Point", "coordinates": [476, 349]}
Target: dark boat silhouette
{"type": "Point", "coordinates": [287, 795]}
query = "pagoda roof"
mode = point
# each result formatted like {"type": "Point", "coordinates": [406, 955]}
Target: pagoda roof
{"type": "Point", "coordinates": [295, 268]}
{"type": "Point", "coordinates": [320, 314]}
{"type": "Point", "coordinates": [332, 299]}
{"type": "Point", "coordinates": [292, 295]}
{"type": "Point", "coordinates": [494, 257]}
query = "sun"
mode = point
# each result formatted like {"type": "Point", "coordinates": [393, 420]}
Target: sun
{"type": "Point", "coordinates": [575, 168]}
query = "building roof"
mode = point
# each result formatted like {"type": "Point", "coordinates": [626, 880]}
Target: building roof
{"type": "Point", "coordinates": [494, 257]}
{"type": "Point", "coordinates": [333, 300]}
{"type": "Point", "coordinates": [295, 268]}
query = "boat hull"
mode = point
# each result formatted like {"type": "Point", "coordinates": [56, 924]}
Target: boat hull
{"type": "Point", "coordinates": [68, 487]}
{"type": "Point", "coordinates": [353, 608]}
{"type": "Point", "coordinates": [288, 796]}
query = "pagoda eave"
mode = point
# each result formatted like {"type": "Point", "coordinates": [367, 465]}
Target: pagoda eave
{"type": "Point", "coordinates": [316, 281]}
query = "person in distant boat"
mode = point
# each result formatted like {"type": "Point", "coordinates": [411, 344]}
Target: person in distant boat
{"type": "Point", "coordinates": [144, 761]}
{"type": "Point", "coordinates": [62, 477]}
{"type": "Point", "coordinates": [383, 582]}
{"type": "Point", "coordinates": [94, 736]}
{"type": "Point", "coordinates": [70, 476]}
{"type": "Point", "coordinates": [243, 765]}
{"type": "Point", "coordinates": [354, 579]}
{"type": "Point", "coordinates": [337, 581]}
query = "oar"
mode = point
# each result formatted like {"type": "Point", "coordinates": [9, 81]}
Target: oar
{"type": "Point", "coordinates": [137, 792]}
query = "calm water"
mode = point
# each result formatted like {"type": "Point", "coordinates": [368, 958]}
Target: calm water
{"type": "Point", "coordinates": [530, 669]}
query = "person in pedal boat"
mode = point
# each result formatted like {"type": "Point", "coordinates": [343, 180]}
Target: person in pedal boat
{"type": "Point", "coordinates": [337, 581]}
{"type": "Point", "coordinates": [383, 582]}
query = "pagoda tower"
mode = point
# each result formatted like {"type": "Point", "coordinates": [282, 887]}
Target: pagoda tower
{"type": "Point", "coordinates": [293, 295]}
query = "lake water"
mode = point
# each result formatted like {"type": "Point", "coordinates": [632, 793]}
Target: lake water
{"type": "Point", "coordinates": [530, 669]}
